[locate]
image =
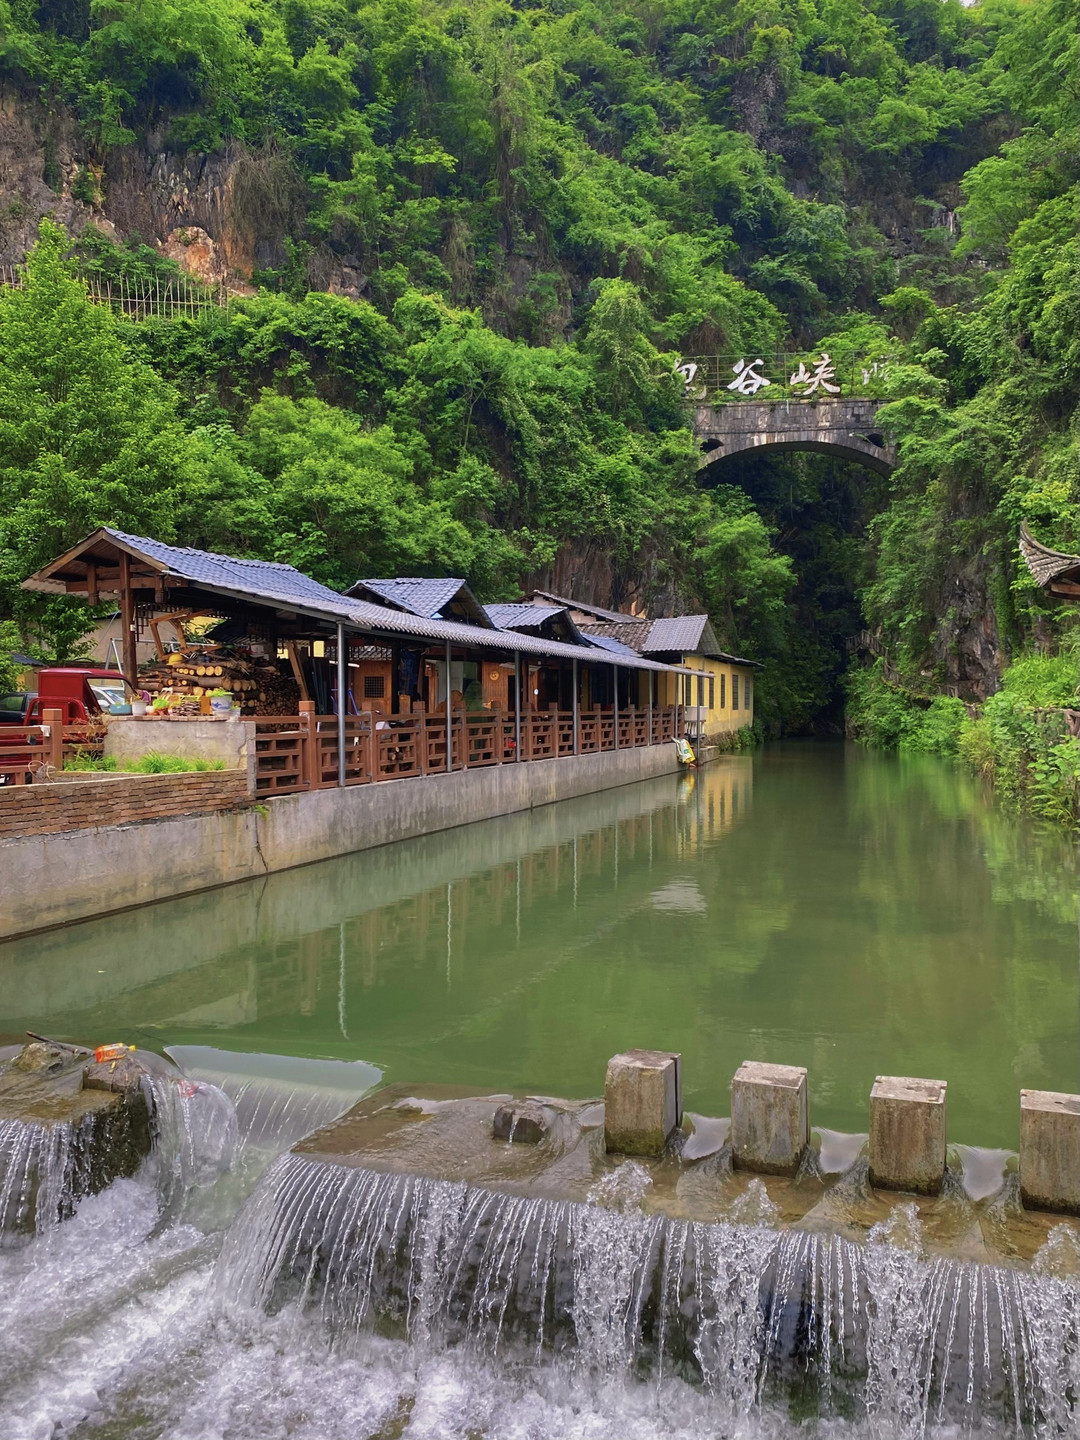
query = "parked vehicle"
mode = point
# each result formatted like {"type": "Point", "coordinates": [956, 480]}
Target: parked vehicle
{"type": "Point", "coordinates": [83, 693]}
{"type": "Point", "coordinates": [14, 705]}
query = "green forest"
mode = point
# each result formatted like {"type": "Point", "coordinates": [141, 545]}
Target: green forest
{"type": "Point", "coordinates": [544, 206]}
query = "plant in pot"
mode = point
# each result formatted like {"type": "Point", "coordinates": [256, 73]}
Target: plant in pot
{"type": "Point", "coordinates": [220, 702]}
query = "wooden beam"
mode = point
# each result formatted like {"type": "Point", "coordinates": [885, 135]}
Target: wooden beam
{"type": "Point", "coordinates": [297, 670]}
{"type": "Point", "coordinates": [91, 584]}
{"type": "Point", "coordinates": [127, 621]}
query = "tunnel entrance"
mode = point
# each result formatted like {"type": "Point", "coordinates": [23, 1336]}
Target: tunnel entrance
{"type": "Point", "coordinates": [818, 507]}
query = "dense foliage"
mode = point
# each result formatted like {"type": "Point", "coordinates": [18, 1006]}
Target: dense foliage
{"type": "Point", "coordinates": [542, 204]}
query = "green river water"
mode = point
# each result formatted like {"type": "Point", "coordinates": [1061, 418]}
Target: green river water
{"type": "Point", "coordinates": [813, 904]}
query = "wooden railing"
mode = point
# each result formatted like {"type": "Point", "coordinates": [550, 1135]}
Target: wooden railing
{"type": "Point", "coordinates": [300, 752]}
{"type": "Point", "coordinates": [37, 752]}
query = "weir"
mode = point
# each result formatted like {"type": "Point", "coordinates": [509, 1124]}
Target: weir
{"type": "Point", "coordinates": [755, 1315]}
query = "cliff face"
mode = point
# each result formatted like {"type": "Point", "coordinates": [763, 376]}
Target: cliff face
{"type": "Point", "coordinates": [188, 207]}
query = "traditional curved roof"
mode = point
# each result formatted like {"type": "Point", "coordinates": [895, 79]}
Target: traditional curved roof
{"type": "Point", "coordinates": [1055, 571]}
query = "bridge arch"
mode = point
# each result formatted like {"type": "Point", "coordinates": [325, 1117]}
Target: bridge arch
{"type": "Point", "coordinates": [833, 426]}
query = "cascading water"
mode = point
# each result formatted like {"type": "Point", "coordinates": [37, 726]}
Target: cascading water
{"type": "Point", "coordinates": [38, 1175]}
{"type": "Point", "coordinates": [756, 1317]}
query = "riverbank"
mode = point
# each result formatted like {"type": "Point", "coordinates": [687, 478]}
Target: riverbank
{"type": "Point", "coordinates": [1022, 741]}
{"type": "Point", "coordinates": [62, 877]}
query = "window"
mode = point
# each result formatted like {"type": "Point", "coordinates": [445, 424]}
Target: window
{"type": "Point", "coordinates": [723, 691]}
{"type": "Point", "coordinates": [701, 690]}
{"type": "Point", "coordinates": [374, 687]}
{"type": "Point", "coordinates": [734, 691]}
{"type": "Point", "coordinates": [712, 692]}
{"type": "Point", "coordinates": [746, 692]}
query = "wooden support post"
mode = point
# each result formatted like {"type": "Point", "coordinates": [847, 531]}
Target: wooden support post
{"type": "Point", "coordinates": [576, 727]}
{"type": "Point", "coordinates": [449, 716]}
{"type": "Point", "coordinates": [52, 744]}
{"type": "Point", "coordinates": [127, 620]}
{"type": "Point", "coordinates": [309, 758]}
{"type": "Point", "coordinates": [498, 740]}
{"type": "Point", "coordinates": [342, 695]}
{"type": "Point", "coordinates": [652, 676]}
{"type": "Point", "coordinates": [517, 705]}
{"type": "Point", "coordinates": [395, 677]}
{"type": "Point", "coordinates": [615, 705]}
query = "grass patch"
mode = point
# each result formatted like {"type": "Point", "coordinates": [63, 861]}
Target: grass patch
{"type": "Point", "coordinates": [152, 763]}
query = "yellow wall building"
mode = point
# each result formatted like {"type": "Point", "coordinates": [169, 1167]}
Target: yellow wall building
{"type": "Point", "coordinates": [720, 695]}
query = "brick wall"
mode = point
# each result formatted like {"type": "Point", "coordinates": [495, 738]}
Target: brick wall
{"type": "Point", "coordinates": [116, 800]}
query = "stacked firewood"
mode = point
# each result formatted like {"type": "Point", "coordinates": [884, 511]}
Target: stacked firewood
{"type": "Point", "coordinates": [257, 686]}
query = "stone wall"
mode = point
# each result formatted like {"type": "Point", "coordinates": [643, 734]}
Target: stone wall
{"type": "Point", "coordinates": [57, 878]}
{"type": "Point", "coordinates": [230, 741]}
{"type": "Point", "coordinates": [95, 801]}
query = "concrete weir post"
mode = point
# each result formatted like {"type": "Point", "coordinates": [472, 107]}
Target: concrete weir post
{"type": "Point", "coordinates": [642, 1101]}
{"type": "Point", "coordinates": [770, 1117]}
{"type": "Point", "coordinates": [1050, 1151]}
{"type": "Point", "coordinates": [907, 1134]}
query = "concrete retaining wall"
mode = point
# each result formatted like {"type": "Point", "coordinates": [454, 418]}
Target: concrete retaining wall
{"type": "Point", "coordinates": [55, 879]}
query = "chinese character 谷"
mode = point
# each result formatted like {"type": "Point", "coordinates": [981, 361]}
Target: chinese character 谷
{"type": "Point", "coordinates": [747, 380]}
{"type": "Point", "coordinates": [822, 373]}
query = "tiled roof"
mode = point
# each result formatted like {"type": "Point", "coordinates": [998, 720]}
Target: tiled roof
{"type": "Point", "coordinates": [689, 635]}
{"type": "Point", "coordinates": [630, 636]}
{"type": "Point", "coordinates": [418, 596]}
{"type": "Point", "coordinates": [613, 617]}
{"type": "Point", "coordinates": [679, 632]}
{"type": "Point", "coordinates": [282, 587]}
{"type": "Point", "coordinates": [1045, 564]}
{"type": "Point", "coordinates": [258, 577]}
{"type": "Point", "coordinates": [520, 615]}
{"type": "Point", "coordinates": [610, 644]}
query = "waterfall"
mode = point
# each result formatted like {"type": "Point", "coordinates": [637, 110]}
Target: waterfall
{"type": "Point", "coordinates": [751, 1315]}
{"type": "Point", "coordinates": [194, 1137]}
{"type": "Point", "coordinates": [39, 1176]}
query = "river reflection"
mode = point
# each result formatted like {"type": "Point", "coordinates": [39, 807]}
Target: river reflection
{"type": "Point", "coordinates": [814, 904]}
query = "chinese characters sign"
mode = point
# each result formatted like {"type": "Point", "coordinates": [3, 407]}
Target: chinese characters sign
{"type": "Point", "coordinates": [808, 378]}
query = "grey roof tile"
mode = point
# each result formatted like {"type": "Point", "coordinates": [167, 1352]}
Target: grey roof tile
{"type": "Point", "coordinates": [415, 594]}
{"type": "Point", "coordinates": [520, 614]}
{"type": "Point", "coordinates": [610, 644]}
{"type": "Point", "coordinates": [282, 587]}
{"type": "Point", "coordinates": [613, 617]}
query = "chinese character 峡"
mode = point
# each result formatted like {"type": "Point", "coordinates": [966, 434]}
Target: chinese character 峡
{"type": "Point", "coordinates": [822, 373]}
{"type": "Point", "coordinates": [747, 380]}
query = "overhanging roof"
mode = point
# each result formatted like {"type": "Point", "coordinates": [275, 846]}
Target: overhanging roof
{"type": "Point", "coordinates": [284, 589]}
{"type": "Point", "coordinates": [1054, 570]}
{"type": "Point", "coordinates": [423, 597]}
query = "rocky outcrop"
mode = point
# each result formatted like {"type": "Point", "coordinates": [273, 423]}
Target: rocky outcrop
{"type": "Point", "coordinates": [219, 216]}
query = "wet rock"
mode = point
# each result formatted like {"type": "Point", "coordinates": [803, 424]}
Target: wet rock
{"type": "Point", "coordinates": [41, 1056]}
{"type": "Point", "coordinates": [68, 1128]}
{"type": "Point", "coordinates": [523, 1124]}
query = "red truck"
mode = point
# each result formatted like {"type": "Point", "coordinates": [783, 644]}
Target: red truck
{"type": "Point", "coordinates": [81, 692]}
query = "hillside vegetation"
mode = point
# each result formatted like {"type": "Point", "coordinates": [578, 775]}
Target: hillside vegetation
{"type": "Point", "coordinates": [541, 207]}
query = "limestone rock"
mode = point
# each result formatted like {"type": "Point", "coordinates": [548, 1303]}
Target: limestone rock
{"type": "Point", "coordinates": [523, 1124]}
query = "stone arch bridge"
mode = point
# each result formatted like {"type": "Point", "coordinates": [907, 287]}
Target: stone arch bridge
{"type": "Point", "coordinates": [835, 425]}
